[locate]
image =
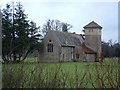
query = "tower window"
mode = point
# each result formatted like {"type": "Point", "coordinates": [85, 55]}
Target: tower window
{"type": "Point", "coordinates": [50, 47]}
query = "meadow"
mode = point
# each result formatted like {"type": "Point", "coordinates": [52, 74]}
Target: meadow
{"type": "Point", "coordinates": [31, 74]}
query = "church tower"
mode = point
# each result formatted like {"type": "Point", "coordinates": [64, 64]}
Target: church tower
{"type": "Point", "coordinates": [93, 37]}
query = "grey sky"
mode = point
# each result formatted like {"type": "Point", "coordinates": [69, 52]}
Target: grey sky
{"type": "Point", "coordinates": [75, 13]}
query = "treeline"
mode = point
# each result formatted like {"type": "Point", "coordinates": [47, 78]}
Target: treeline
{"type": "Point", "coordinates": [110, 49]}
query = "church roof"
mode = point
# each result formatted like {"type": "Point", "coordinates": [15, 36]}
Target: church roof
{"type": "Point", "coordinates": [92, 25]}
{"type": "Point", "coordinates": [87, 49]}
{"type": "Point", "coordinates": [66, 39]}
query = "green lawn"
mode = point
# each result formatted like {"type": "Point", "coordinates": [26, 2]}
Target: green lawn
{"type": "Point", "coordinates": [61, 75]}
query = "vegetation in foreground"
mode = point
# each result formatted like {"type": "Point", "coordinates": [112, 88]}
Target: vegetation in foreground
{"type": "Point", "coordinates": [61, 75]}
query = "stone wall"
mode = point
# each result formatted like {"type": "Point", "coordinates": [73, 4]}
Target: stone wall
{"type": "Point", "coordinates": [90, 57]}
{"type": "Point", "coordinates": [50, 56]}
{"type": "Point", "coordinates": [94, 41]}
{"type": "Point", "coordinates": [80, 52]}
{"type": "Point", "coordinates": [66, 54]}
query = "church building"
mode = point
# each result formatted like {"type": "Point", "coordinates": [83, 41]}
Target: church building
{"type": "Point", "coordinates": [61, 46]}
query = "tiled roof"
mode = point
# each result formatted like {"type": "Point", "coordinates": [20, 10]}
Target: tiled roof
{"type": "Point", "coordinates": [92, 25]}
{"type": "Point", "coordinates": [87, 49]}
{"type": "Point", "coordinates": [68, 39]}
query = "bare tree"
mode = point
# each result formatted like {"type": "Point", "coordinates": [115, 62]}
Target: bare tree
{"type": "Point", "coordinates": [55, 25]}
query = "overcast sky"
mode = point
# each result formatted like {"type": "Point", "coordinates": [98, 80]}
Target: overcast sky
{"type": "Point", "coordinates": [76, 13]}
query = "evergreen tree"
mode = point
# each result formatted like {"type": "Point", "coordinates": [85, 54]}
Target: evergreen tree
{"type": "Point", "coordinates": [19, 35]}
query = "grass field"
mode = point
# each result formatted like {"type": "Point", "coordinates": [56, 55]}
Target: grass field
{"type": "Point", "coordinates": [61, 75]}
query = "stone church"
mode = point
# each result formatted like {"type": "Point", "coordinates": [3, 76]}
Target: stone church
{"type": "Point", "coordinates": [60, 46]}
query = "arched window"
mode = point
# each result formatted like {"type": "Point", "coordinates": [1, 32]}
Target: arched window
{"type": "Point", "coordinates": [50, 47]}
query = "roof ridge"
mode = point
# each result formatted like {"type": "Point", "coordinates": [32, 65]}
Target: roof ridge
{"type": "Point", "coordinates": [66, 32]}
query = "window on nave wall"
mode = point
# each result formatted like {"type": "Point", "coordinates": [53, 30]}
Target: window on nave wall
{"type": "Point", "coordinates": [50, 47]}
